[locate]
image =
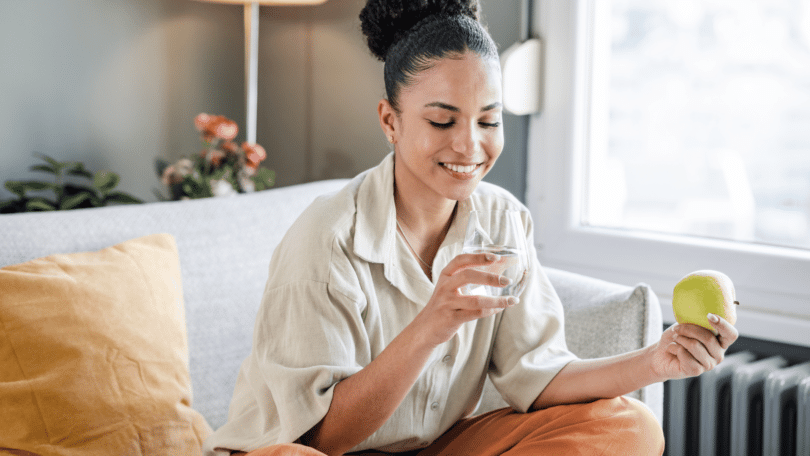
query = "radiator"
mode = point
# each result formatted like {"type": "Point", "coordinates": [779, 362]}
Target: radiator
{"type": "Point", "coordinates": [745, 406]}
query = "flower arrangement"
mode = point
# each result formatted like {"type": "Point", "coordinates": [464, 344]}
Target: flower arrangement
{"type": "Point", "coordinates": [222, 168]}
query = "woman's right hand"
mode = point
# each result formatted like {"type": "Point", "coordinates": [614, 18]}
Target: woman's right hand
{"type": "Point", "coordinates": [448, 308]}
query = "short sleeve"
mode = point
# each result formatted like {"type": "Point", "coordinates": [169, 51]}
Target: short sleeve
{"type": "Point", "coordinates": [530, 347]}
{"type": "Point", "coordinates": [307, 338]}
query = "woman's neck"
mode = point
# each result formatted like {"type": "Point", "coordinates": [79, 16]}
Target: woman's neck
{"type": "Point", "coordinates": [425, 215]}
{"type": "Point", "coordinates": [424, 223]}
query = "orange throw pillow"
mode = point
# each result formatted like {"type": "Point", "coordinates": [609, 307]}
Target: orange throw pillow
{"type": "Point", "coordinates": [94, 355]}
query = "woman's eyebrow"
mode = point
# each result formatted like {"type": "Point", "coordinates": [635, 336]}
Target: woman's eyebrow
{"type": "Point", "coordinates": [439, 104]}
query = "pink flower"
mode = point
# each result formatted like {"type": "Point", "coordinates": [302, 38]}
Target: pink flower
{"type": "Point", "coordinates": [202, 121]}
{"type": "Point", "coordinates": [169, 176]}
{"type": "Point", "coordinates": [184, 167]}
{"type": "Point", "coordinates": [216, 126]}
{"type": "Point", "coordinates": [230, 147]}
{"type": "Point", "coordinates": [225, 128]}
{"type": "Point", "coordinates": [254, 154]}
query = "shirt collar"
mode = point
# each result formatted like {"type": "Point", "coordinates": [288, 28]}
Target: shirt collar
{"type": "Point", "coordinates": [375, 230]}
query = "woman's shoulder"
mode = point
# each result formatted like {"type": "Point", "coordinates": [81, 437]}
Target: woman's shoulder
{"type": "Point", "coordinates": [306, 252]}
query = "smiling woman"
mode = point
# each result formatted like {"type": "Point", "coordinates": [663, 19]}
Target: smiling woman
{"type": "Point", "coordinates": [399, 355]}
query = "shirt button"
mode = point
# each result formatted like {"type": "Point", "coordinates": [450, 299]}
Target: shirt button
{"type": "Point", "coordinates": [447, 359]}
{"type": "Point", "coordinates": [434, 406]}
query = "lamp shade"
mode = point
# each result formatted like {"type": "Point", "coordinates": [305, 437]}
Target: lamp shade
{"type": "Point", "coordinates": [269, 2]}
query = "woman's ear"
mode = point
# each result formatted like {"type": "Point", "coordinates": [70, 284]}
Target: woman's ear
{"type": "Point", "coordinates": [388, 118]}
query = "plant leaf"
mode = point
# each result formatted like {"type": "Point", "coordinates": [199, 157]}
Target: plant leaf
{"type": "Point", "coordinates": [188, 188]}
{"type": "Point", "coordinates": [105, 181]}
{"type": "Point", "coordinates": [55, 165]}
{"type": "Point", "coordinates": [37, 186]}
{"type": "Point", "coordinates": [16, 187]}
{"type": "Point", "coordinates": [48, 159]}
{"type": "Point", "coordinates": [44, 169]}
{"type": "Point", "coordinates": [218, 174]}
{"type": "Point", "coordinates": [73, 189]}
{"type": "Point", "coordinates": [78, 169]}
{"type": "Point", "coordinates": [121, 198]}
{"type": "Point", "coordinates": [73, 201]}
{"type": "Point", "coordinates": [264, 178]}
{"type": "Point", "coordinates": [39, 205]}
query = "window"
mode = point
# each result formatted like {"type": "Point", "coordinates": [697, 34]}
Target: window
{"type": "Point", "coordinates": [675, 136]}
{"type": "Point", "coordinates": [706, 113]}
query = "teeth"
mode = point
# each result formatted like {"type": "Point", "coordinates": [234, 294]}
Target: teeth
{"type": "Point", "coordinates": [460, 169]}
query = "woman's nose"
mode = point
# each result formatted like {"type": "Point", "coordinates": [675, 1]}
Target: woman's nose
{"type": "Point", "coordinates": [466, 140]}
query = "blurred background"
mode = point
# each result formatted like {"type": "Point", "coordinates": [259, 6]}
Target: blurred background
{"type": "Point", "coordinates": [117, 83]}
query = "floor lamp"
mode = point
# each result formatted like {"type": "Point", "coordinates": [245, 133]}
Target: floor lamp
{"type": "Point", "coordinates": [252, 52]}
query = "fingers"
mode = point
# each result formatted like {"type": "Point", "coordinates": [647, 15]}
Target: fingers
{"type": "Point", "coordinates": [475, 307]}
{"type": "Point", "coordinates": [727, 334]}
{"type": "Point", "coordinates": [448, 289]}
{"type": "Point", "coordinates": [695, 355]}
{"type": "Point", "coordinates": [467, 260]}
{"type": "Point", "coordinates": [465, 269]}
{"type": "Point", "coordinates": [477, 277]}
{"type": "Point", "coordinates": [702, 345]}
{"type": "Point", "coordinates": [688, 364]}
{"type": "Point", "coordinates": [704, 339]}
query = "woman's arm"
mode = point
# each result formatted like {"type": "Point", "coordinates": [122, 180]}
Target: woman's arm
{"type": "Point", "coordinates": [683, 351]}
{"type": "Point", "coordinates": [363, 402]}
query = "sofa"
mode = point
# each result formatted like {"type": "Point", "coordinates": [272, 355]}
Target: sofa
{"type": "Point", "coordinates": [195, 312]}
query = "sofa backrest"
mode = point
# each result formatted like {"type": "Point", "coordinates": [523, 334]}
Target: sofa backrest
{"type": "Point", "coordinates": [225, 245]}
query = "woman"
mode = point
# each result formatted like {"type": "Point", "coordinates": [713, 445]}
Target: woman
{"type": "Point", "coordinates": [363, 341]}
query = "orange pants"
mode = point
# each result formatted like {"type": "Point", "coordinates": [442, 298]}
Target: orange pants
{"type": "Point", "coordinates": [619, 426]}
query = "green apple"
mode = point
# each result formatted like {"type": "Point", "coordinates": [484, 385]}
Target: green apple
{"type": "Point", "coordinates": [703, 292]}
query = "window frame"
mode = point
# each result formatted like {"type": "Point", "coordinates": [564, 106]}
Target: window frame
{"type": "Point", "coordinates": [772, 283]}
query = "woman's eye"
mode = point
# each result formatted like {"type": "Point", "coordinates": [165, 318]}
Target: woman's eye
{"type": "Point", "coordinates": [490, 124]}
{"type": "Point", "coordinates": [442, 126]}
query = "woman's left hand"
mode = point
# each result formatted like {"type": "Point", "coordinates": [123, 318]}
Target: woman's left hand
{"type": "Point", "coordinates": [687, 350]}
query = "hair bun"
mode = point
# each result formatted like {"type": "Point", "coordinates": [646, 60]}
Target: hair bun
{"type": "Point", "coordinates": [385, 22]}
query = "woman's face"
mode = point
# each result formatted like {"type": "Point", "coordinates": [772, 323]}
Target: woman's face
{"type": "Point", "coordinates": [449, 131]}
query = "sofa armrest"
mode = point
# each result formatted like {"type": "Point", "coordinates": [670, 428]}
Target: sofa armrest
{"type": "Point", "coordinates": [603, 319]}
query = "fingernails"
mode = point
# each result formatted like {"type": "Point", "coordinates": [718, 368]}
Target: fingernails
{"type": "Point", "coordinates": [491, 257]}
{"type": "Point", "coordinates": [512, 300]}
{"type": "Point", "coordinates": [714, 318]}
{"type": "Point", "coordinates": [504, 280]}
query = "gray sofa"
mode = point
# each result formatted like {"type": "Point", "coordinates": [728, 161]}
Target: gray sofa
{"type": "Point", "coordinates": [225, 245]}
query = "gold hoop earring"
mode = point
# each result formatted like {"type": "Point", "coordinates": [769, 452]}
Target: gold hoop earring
{"type": "Point", "coordinates": [391, 139]}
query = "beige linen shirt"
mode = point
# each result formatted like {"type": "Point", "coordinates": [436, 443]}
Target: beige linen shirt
{"type": "Point", "coordinates": [342, 285]}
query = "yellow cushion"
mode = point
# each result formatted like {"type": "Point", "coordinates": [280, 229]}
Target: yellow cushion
{"type": "Point", "coordinates": [94, 355]}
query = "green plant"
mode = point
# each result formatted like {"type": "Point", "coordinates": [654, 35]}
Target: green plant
{"type": "Point", "coordinates": [65, 191]}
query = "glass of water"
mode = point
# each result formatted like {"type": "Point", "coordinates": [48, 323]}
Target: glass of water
{"type": "Point", "coordinates": [500, 232]}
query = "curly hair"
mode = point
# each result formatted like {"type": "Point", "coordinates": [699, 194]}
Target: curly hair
{"type": "Point", "coordinates": [411, 35]}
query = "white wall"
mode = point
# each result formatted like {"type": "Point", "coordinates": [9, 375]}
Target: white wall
{"type": "Point", "coordinates": [117, 83]}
